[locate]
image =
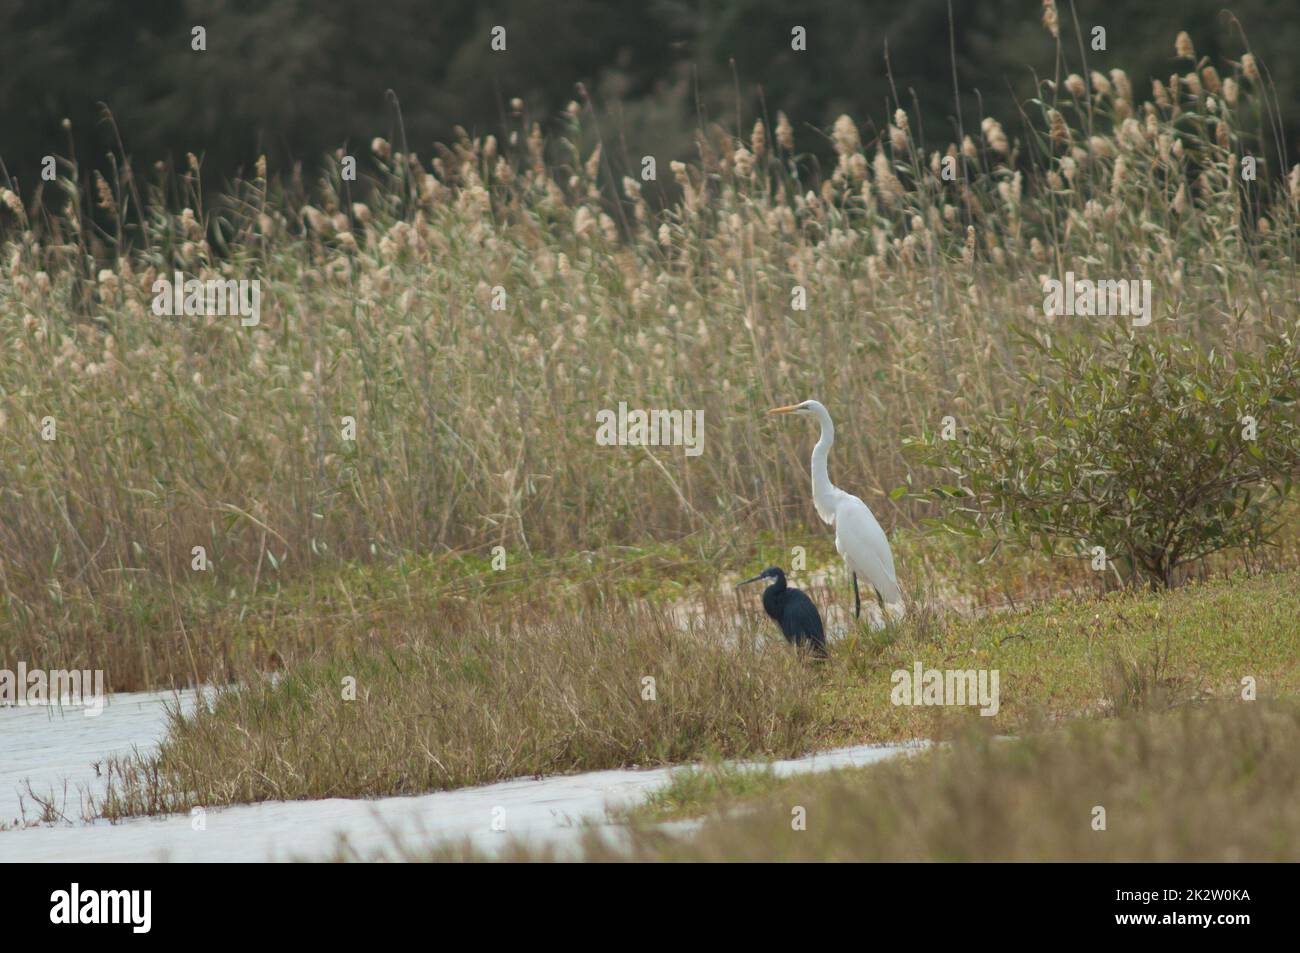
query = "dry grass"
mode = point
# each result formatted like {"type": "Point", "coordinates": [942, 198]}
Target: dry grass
{"type": "Point", "coordinates": [460, 704]}
{"type": "Point", "coordinates": [476, 426]}
{"type": "Point", "coordinates": [1207, 783]}
{"type": "Point", "coordinates": [482, 705]}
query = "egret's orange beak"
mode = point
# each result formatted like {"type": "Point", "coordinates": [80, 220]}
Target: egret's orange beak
{"type": "Point", "coordinates": [784, 410]}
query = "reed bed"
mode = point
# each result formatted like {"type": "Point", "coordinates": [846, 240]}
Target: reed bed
{"type": "Point", "coordinates": [475, 425]}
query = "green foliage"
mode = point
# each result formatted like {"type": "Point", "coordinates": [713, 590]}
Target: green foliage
{"type": "Point", "coordinates": [1136, 442]}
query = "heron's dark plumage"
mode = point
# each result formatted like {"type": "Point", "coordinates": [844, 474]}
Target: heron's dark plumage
{"type": "Point", "coordinates": [794, 612]}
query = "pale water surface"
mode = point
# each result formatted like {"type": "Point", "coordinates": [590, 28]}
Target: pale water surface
{"type": "Point", "coordinates": [48, 747]}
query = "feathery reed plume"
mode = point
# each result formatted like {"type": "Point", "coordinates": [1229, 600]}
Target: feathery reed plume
{"type": "Point", "coordinates": [1050, 21]}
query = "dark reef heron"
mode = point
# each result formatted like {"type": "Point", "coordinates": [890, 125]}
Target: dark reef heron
{"type": "Point", "coordinates": [794, 612]}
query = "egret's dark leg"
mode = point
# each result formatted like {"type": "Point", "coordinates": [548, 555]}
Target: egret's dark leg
{"type": "Point", "coordinates": [857, 599]}
{"type": "Point", "coordinates": [880, 599]}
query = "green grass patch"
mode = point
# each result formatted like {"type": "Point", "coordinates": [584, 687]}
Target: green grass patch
{"type": "Point", "coordinates": [1080, 655]}
{"type": "Point", "coordinates": [699, 788]}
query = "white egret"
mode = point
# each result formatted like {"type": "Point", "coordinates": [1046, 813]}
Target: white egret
{"type": "Point", "coordinates": [858, 537]}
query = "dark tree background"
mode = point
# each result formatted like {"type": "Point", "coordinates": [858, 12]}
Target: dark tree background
{"type": "Point", "coordinates": [296, 78]}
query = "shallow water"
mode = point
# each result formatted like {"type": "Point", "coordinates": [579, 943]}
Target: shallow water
{"type": "Point", "coordinates": [46, 746]}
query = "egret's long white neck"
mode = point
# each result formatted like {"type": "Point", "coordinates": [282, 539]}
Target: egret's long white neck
{"type": "Point", "coordinates": [824, 492]}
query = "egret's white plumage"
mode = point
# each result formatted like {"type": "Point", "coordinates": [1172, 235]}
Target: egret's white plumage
{"type": "Point", "coordinates": [858, 537]}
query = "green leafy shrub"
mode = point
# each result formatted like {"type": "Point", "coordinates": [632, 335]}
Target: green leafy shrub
{"type": "Point", "coordinates": [1141, 443]}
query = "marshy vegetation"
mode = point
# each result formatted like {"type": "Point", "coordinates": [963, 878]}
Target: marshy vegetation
{"type": "Point", "coordinates": [471, 316]}
{"type": "Point", "coordinates": [489, 702]}
{"type": "Point", "coordinates": [474, 426]}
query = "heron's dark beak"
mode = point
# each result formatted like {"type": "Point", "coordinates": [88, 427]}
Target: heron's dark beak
{"type": "Point", "coordinates": [784, 410]}
{"type": "Point", "coordinates": [748, 581]}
